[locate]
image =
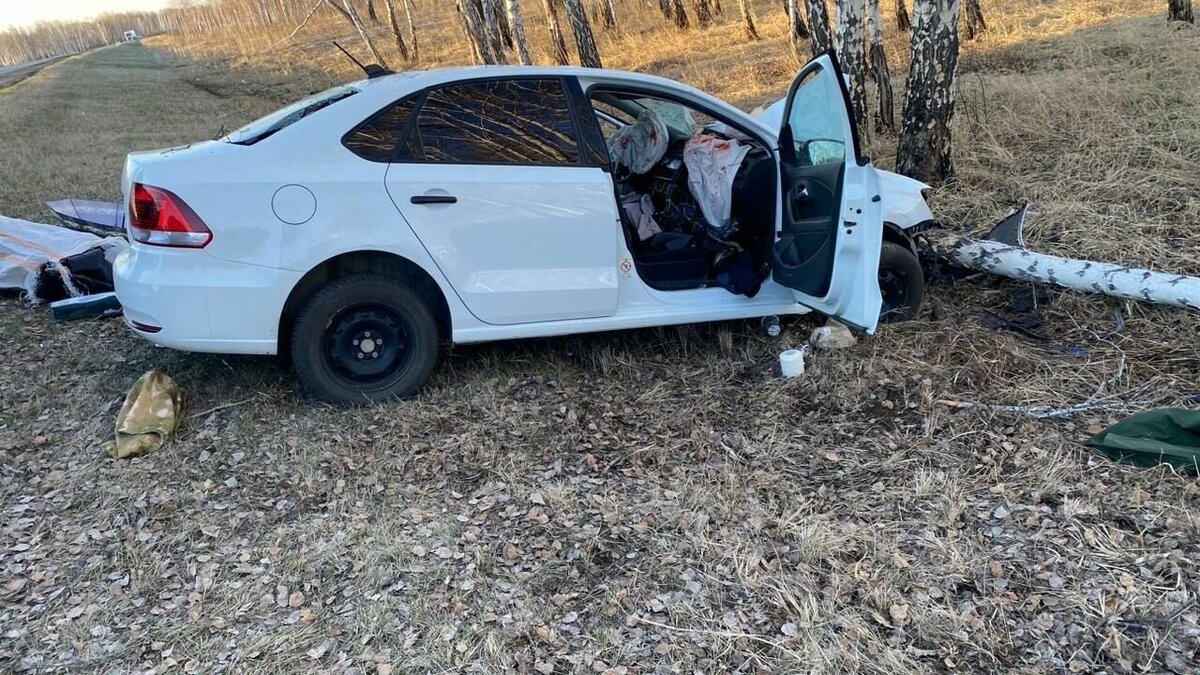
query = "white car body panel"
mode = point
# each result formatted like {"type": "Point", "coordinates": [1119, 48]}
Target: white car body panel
{"type": "Point", "coordinates": [229, 296]}
{"type": "Point", "coordinates": [483, 242]}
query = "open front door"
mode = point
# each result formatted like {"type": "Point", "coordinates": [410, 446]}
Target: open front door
{"type": "Point", "coordinates": [831, 228]}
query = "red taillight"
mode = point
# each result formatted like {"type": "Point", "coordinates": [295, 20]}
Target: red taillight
{"type": "Point", "coordinates": [158, 217]}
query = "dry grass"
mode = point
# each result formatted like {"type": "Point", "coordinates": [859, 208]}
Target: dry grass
{"type": "Point", "coordinates": [650, 501]}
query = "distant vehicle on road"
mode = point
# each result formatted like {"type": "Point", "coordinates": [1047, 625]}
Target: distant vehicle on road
{"type": "Point", "coordinates": [132, 36]}
{"type": "Point", "coordinates": [358, 229]}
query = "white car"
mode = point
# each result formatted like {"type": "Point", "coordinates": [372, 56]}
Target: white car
{"type": "Point", "coordinates": [361, 228]}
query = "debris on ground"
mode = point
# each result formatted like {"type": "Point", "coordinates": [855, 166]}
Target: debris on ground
{"type": "Point", "coordinates": [47, 263]}
{"type": "Point", "coordinates": [791, 362]}
{"type": "Point", "coordinates": [832, 335]}
{"type": "Point", "coordinates": [1162, 436]}
{"type": "Point", "coordinates": [105, 219]}
{"type": "Point", "coordinates": [1002, 252]}
{"type": "Point", "coordinates": [150, 414]}
{"type": "Point", "coordinates": [99, 305]}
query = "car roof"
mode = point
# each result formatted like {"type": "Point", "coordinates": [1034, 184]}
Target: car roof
{"type": "Point", "coordinates": [425, 78]}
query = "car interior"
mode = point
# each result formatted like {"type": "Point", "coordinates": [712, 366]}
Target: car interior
{"type": "Point", "coordinates": [698, 202]}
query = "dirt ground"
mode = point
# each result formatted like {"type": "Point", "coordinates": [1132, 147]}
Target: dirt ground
{"type": "Point", "coordinates": [654, 501]}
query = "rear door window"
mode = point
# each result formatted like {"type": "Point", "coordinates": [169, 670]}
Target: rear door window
{"type": "Point", "coordinates": [516, 121]}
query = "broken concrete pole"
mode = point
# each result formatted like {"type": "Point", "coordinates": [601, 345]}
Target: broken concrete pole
{"type": "Point", "coordinates": [1085, 276]}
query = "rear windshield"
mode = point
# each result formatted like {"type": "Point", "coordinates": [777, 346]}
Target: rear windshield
{"type": "Point", "coordinates": [265, 126]}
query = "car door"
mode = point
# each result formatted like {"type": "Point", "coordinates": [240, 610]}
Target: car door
{"type": "Point", "coordinates": [831, 229]}
{"type": "Point", "coordinates": [515, 211]}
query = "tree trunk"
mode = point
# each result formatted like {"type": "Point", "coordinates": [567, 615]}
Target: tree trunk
{"type": "Point", "coordinates": [748, 16]}
{"type": "Point", "coordinates": [798, 33]}
{"type": "Point", "coordinates": [1016, 262]}
{"type": "Point", "coordinates": [371, 15]}
{"type": "Point", "coordinates": [471, 12]}
{"type": "Point", "coordinates": [502, 24]}
{"type": "Point", "coordinates": [352, 14]}
{"type": "Point", "coordinates": [818, 27]}
{"type": "Point", "coordinates": [394, 26]}
{"type": "Point", "coordinates": [678, 14]}
{"type": "Point", "coordinates": [704, 15]}
{"type": "Point", "coordinates": [975, 22]}
{"type": "Point", "coordinates": [1180, 10]}
{"type": "Point", "coordinates": [924, 148]}
{"type": "Point", "coordinates": [885, 117]}
{"type": "Point", "coordinates": [585, 42]}
{"type": "Point", "coordinates": [412, 29]}
{"type": "Point", "coordinates": [852, 57]}
{"type": "Point", "coordinates": [492, 31]}
{"type": "Point", "coordinates": [558, 44]}
{"type": "Point", "coordinates": [517, 22]}
{"type": "Point", "coordinates": [608, 11]}
{"type": "Point", "coordinates": [902, 22]}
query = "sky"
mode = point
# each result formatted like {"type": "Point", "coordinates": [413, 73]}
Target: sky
{"type": "Point", "coordinates": [26, 12]}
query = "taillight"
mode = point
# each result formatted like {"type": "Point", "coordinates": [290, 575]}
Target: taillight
{"type": "Point", "coordinates": [159, 217]}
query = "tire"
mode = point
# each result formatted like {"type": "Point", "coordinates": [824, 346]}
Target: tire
{"type": "Point", "coordinates": [363, 339]}
{"type": "Point", "coordinates": [901, 282]}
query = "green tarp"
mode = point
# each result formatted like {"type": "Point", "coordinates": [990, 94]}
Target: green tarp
{"type": "Point", "coordinates": [1162, 436]}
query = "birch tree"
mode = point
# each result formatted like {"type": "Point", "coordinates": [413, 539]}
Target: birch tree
{"type": "Point", "coordinates": [608, 11]}
{"type": "Point", "coordinates": [852, 57]}
{"type": "Point", "coordinates": [558, 44]}
{"type": "Point", "coordinates": [923, 151]}
{"type": "Point", "coordinates": [394, 26]}
{"type": "Point", "coordinates": [885, 118]}
{"type": "Point", "coordinates": [471, 13]}
{"type": "Point", "coordinates": [902, 22]}
{"type": "Point", "coordinates": [492, 31]}
{"type": "Point", "coordinates": [704, 13]}
{"type": "Point", "coordinates": [975, 21]}
{"type": "Point", "coordinates": [585, 42]}
{"type": "Point", "coordinates": [748, 17]}
{"type": "Point", "coordinates": [351, 14]}
{"type": "Point", "coordinates": [517, 22]}
{"type": "Point", "coordinates": [1180, 10]}
{"type": "Point", "coordinates": [412, 29]}
{"type": "Point", "coordinates": [678, 14]}
{"type": "Point", "coordinates": [818, 26]}
{"type": "Point", "coordinates": [798, 35]}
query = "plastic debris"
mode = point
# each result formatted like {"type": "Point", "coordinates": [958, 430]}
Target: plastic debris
{"type": "Point", "coordinates": [832, 335]}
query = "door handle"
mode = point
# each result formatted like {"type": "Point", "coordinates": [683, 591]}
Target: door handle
{"type": "Point", "coordinates": [433, 199]}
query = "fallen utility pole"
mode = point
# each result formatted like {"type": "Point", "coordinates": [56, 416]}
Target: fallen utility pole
{"type": "Point", "coordinates": [1003, 252]}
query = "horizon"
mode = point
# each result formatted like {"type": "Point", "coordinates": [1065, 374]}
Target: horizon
{"type": "Point", "coordinates": [27, 15]}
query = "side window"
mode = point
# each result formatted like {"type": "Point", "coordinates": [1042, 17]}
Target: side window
{"type": "Point", "coordinates": [378, 138]}
{"type": "Point", "coordinates": [525, 121]}
{"type": "Point", "coordinates": [817, 119]}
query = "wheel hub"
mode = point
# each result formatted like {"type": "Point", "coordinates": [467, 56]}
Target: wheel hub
{"type": "Point", "coordinates": [366, 343]}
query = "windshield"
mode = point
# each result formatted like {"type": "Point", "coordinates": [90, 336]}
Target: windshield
{"type": "Point", "coordinates": [265, 126]}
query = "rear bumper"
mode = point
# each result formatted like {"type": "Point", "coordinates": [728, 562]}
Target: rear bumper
{"type": "Point", "coordinates": [200, 303]}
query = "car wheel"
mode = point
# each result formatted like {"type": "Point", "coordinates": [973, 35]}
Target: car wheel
{"type": "Point", "coordinates": [364, 338]}
{"type": "Point", "coordinates": [901, 282]}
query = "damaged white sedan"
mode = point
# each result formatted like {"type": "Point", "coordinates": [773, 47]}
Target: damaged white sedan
{"type": "Point", "coordinates": [359, 229]}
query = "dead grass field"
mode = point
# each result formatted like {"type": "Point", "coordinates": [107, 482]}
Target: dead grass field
{"type": "Point", "coordinates": [649, 501]}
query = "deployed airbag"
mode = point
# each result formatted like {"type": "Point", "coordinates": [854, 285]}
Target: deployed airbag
{"type": "Point", "coordinates": [712, 164]}
{"type": "Point", "coordinates": [640, 145]}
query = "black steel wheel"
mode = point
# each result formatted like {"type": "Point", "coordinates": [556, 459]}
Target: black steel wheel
{"type": "Point", "coordinates": [364, 338]}
{"type": "Point", "coordinates": [901, 282]}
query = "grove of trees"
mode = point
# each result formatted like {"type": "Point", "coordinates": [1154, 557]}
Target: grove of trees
{"type": "Point", "coordinates": [496, 33]}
